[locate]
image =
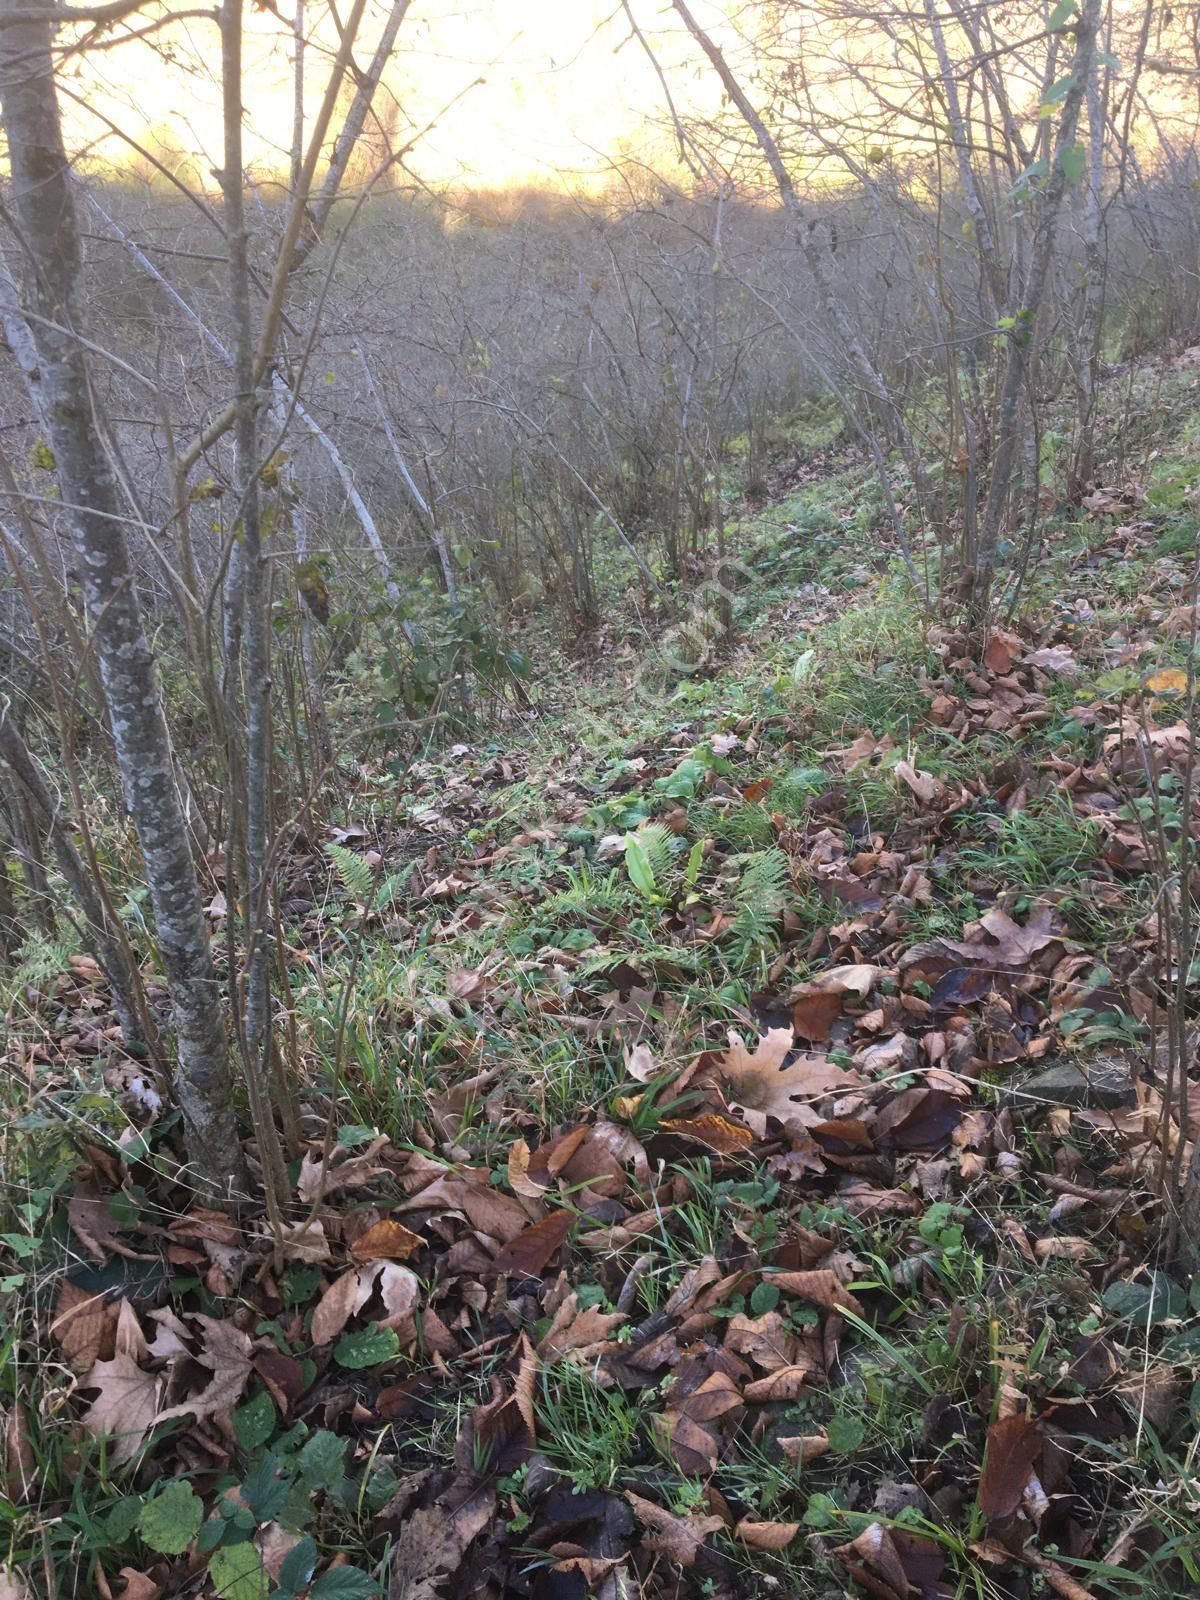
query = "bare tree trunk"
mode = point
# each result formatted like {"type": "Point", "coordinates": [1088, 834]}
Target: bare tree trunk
{"type": "Point", "coordinates": [1023, 334]}
{"type": "Point", "coordinates": [254, 627]}
{"type": "Point", "coordinates": [50, 236]}
{"type": "Point", "coordinates": [1084, 338]}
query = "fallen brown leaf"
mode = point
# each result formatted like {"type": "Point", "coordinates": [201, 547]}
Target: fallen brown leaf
{"type": "Point", "coordinates": [386, 1241]}
{"type": "Point", "coordinates": [759, 1085]}
{"type": "Point", "coordinates": [126, 1407]}
{"type": "Point", "coordinates": [678, 1538]}
{"type": "Point", "coordinates": [526, 1256]}
{"type": "Point", "coordinates": [766, 1535]}
{"type": "Point", "coordinates": [1013, 1445]}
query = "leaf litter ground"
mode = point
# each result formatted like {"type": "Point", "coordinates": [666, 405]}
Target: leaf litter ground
{"type": "Point", "coordinates": [749, 1177]}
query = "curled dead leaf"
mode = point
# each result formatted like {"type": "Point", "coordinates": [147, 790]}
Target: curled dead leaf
{"type": "Point", "coordinates": [766, 1535]}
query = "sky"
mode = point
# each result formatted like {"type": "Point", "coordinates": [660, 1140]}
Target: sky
{"type": "Point", "coordinates": [565, 88]}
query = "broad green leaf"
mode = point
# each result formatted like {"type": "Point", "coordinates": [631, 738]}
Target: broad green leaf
{"type": "Point", "coordinates": [322, 1459]}
{"type": "Point", "coordinates": [120, 1522]}
{"type": "Point", "coordinates": [1151, 1300]}
{"type": "Point", "coordinates": [264, 1490]}
{"type": "Point", "coordinates": [343, 1583]}
{"type": "Point", "coordinates": [1061, 12]}
{"type": "Point", "coordinates": [237, 1573]}
{"type": "Point", "coordinates": [764, 1298]}
{"type": "Point", "coordinates": [367, 1348]}
{"type": "Point", "coordinates": [1074, 160]}
{"type": "Point", "coordinates": [1060, 90]}
{"type": "Point", "coordinates": [170, 1521]}
{"type": "Point", "coordinates": [352, 1133]}
{"type": "Point", "coordinates": [254, 1423]}
{"type": "Point", "coordinates": [845, 1434]}
{"type": "Point", "coordinates": [695, 861]}
{"type": "Point", "coordinates": [300, 1284]}
{"type": "Point", "coordinates": [298, 1565]}
{"type": "Point", "coordinates": [638, 864]}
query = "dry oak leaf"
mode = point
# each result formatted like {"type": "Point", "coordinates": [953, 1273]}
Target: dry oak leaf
{"type": "Point", "coordinates": [813, 1015]}
{"type": "Point", "coordinates": [138, 1585]}
{"type": "Point", "coordinates": [858, 977]}
{"type": "Point", "coordinates": [1013, 1445]}
{"type": "Point", "coordinates": [318, 1179]}
{"type": "Point", "coordinates": [19, 1478]}
{"type": "Point", "coordinates": [787, 1383]}
{"type": "Point", "coordinates": [764, 1339]}
{"type": "Point", "coordinates": [95, 1227]}
{"type": "Point", "coordinates": [126, 1407]}
{"type": "Point", "coordinates": [1003, 649]}
{"type": "Point", "coordinates": [386, 1240]}
{"type": "Point", "coordinates": [766, 1535]}
{"type": "Point", "coordinates": [759, 1085]}
{"type": "Point", "coordinates": [639, 1063]}
{"type": "Point", "coordinates": [678, 1538]}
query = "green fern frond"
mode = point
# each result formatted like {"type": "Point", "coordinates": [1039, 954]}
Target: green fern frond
{"type": "Point", "coordinates": [660, 846]}
{"type": "Point", "coordinates": [358, 880]}
{"type": "Point", "coordinates": [759, 898]}
{"type": "Point", "coordinates": [37, 961]}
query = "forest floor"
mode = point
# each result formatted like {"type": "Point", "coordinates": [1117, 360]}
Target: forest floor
{"type": "Point", "coordinates": [749, 1128]}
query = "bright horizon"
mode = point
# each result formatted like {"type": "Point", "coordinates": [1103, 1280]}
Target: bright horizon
{"type": "Point", "coordinates": [566, 91]}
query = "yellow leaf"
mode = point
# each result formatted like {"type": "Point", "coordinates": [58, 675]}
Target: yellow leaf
{"type": "Point", "coordinates": [1172, 681]}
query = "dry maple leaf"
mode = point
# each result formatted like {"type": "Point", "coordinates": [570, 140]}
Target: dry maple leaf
{"type": "Point", "coordinates": [126, 1407]}
{"type": "Point", "coordinates": [678, 1538]}
{"type": "Point", "coordinates": [759, 1085]}
{"type": "Point", "coordinates": [226, 1352]}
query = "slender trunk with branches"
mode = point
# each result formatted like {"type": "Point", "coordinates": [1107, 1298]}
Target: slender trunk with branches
{"type": "Point", "coordinates": [49, 237]}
